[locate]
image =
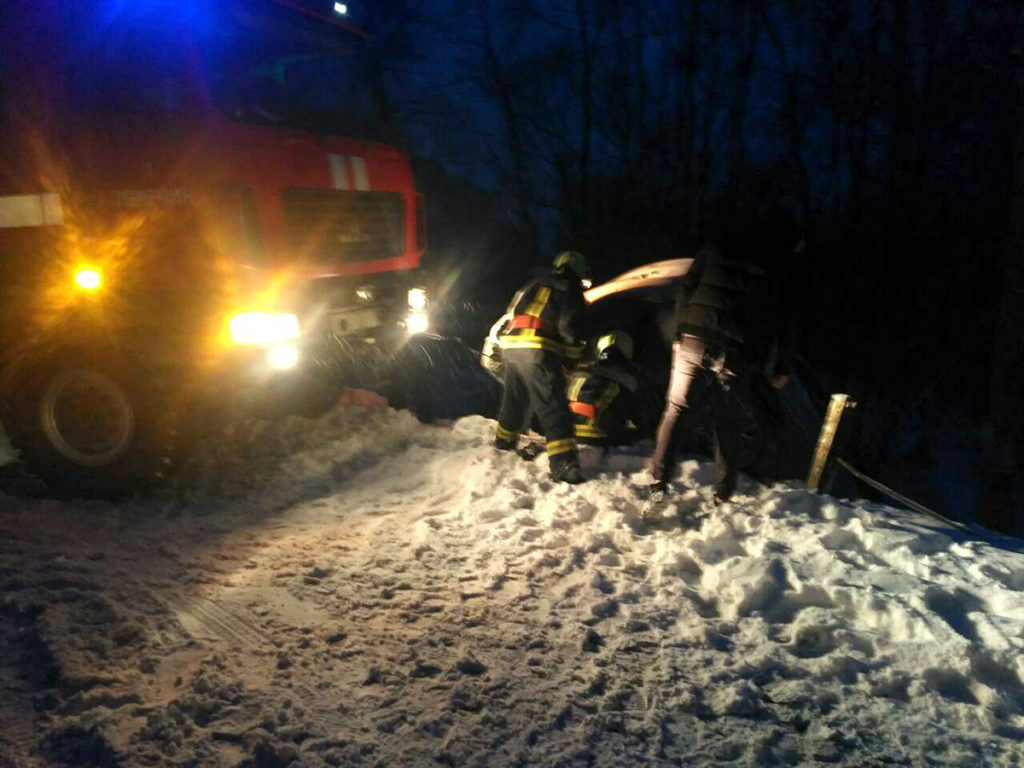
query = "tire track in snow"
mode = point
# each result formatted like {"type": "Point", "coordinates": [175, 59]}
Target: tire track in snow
{"type": "Point", "coordinates": [203, 614]}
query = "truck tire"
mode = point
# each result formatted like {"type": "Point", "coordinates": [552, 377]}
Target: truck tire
{"type": "Point", "coordinates": [89, 423]}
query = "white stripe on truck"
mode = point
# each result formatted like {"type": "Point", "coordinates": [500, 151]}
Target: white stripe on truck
{"type": "Point", "coordinates": [360, 178]}
{"type": "Point", "coordinates": [339, 173]}
{"type": "Point", "coordinates": [42, 210]}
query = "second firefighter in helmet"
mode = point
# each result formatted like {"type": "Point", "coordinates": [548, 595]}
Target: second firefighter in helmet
{"type": "Point", "coordinates": [605, 397]}
{"type": "Point", "coordinates": [546, 317]}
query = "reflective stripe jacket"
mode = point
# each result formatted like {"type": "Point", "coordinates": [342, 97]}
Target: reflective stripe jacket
{"type": "Point", "coordinates": [546, 314]}
{"type": "Point", "coordinates": [603, 398]}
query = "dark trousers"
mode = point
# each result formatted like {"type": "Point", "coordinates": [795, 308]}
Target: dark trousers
{"type": "Point", "coordinates": [698, 392]}
{"type": "Point", "coordinates": [535, 384]}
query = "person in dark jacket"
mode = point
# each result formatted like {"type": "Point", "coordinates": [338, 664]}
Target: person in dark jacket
{"type": "Point", "coordinates": [546, 316]}
{"type": "Point", "coordinates": [604, 397]}
{"type": "Point", "coordinates": [725, 335]}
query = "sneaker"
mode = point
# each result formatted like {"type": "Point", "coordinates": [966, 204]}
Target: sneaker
{"type": "Point", "coordinates": [568, 473]}
{"type": "Point", "coordinates": [657, 496]}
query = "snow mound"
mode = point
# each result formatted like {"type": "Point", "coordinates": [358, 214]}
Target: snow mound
{"type": "Point", "coordinates": [368, 590]}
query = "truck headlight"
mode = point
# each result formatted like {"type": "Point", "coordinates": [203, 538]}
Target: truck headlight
{"type": "Point", "coordinates": [417, 299]}
{"type": "Point", "coordinates": [88, 278]}
{"type": "Point", "coordinates": [263, 328]}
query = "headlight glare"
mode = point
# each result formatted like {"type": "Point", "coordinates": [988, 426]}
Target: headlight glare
{"type": "Point", "coordinates": [417, 322]}
{"type": "Point", "coordinates": [417, 299]}
{"type": "Point", "coordinates": [283, 357]}
{"type": "Point", "coordinates": [263, 328]}
{"type": "Point", "coordinates": [88, 278]}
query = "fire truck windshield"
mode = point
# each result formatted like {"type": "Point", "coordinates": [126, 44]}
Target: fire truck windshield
{"type": "Point", "coordinates": [275, 65]}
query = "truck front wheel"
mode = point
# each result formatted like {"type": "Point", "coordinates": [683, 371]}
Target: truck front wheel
{"type": "Point", "coordinates": [87, 423]}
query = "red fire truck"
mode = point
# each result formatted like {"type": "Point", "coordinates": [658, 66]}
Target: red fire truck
{"type": "Point", "coordinates": [201, 202]}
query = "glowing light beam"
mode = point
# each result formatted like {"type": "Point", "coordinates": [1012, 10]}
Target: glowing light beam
{"type": "Point", "coordinates": [88, 278]}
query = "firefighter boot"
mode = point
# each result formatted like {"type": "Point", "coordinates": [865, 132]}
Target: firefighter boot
{"type": "Point", "coordinates": [565, 468]}
{"type": "Point", "coordinates": [505, 439]}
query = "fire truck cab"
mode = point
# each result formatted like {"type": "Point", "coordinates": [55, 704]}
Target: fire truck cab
{"type": "Point", "coordinates": [201, 202]}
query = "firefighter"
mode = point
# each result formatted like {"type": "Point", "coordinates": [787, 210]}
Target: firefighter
{"type": "Point", "coordinates": [542, 333]}
{"type": "Point", "coordinates": [604, 396]}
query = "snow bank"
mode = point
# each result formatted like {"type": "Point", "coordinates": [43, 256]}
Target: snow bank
{"type": "Point", "coordinates": [368, 590]}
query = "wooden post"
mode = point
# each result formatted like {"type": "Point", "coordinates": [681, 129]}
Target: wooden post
{"type": "Point", "coordinates": [829, 428]}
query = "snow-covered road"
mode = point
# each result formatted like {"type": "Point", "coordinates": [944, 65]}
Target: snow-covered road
{"type": "Point", "coordinates": [366, 590]}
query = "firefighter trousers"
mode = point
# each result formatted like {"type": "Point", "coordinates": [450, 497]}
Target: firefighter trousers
{"type": "Point", "coordinates": [535, 385]}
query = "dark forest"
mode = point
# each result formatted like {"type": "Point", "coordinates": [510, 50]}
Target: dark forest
{"type": "Point", "coordinates": [865, 148]}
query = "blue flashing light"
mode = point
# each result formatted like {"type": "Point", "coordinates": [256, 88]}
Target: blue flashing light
{"type": "Point", "coordinates": [341, 9]}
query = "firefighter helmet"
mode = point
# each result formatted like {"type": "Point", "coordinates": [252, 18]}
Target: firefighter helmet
{"type": "Point", "coordinates": [572, 260]}
{"type": "Point", "coordinates": [621, 340]}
